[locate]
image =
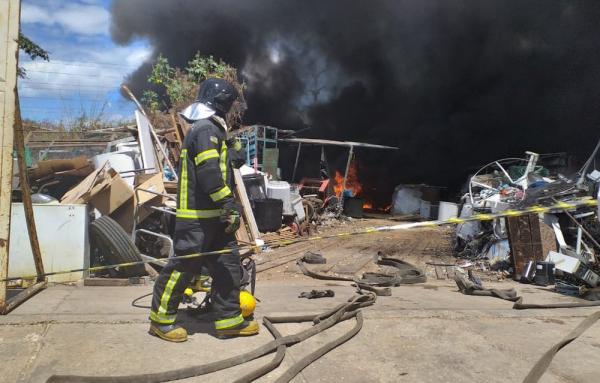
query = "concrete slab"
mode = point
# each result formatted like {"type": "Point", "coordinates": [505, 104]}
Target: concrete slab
{"type": "Point", "coordinates": [422, 333]}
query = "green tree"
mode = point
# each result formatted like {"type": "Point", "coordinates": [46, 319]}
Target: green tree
{"type": "Point", "coordinates": [181, 85]}
{"type": "Point", "coordinates": [33, 50]}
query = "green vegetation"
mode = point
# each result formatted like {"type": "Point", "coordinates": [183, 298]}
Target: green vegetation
{"type": "Point", "coordinates": [179, 86]}
{"type": "Point", "coordinates": [33, 50]}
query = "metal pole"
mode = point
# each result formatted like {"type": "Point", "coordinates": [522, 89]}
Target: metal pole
{"type": "Point", "coordinates": [578, 245]}
{"type": "Point", "coordinates": [296, 163]}
{"type": "Point", "coordinates": [350, 154]}
{"type": "Point", "coordinates": [587, 164]}
{"type": "Point", "coordinates": [574, 220]}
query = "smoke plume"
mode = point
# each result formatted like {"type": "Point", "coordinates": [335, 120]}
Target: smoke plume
{"type": "Point", "coordinates": [453, 84]}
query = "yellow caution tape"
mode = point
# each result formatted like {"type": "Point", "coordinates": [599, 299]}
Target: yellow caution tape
{"type": "Point", "coordinates": [560, 206]}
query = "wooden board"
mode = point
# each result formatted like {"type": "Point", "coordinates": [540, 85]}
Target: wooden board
{"type": "Point", "coordinates": [240, 191]}
{"type": "Point", "coordinates": [133, 281]}
{"type": "Point", "coordinates": [9, 33]}
{"type": "Point", "coordinates": [525, 242]}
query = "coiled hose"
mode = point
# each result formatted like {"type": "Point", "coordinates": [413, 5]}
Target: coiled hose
{"type": "Point", "coordinates": [322, 322]}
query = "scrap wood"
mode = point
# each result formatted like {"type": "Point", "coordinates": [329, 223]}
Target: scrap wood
{"type": "Point", "coordinates": [49, 167]}
{"type": "Point", "coordinates": [26, 194]}
{"type": "Point", "coordinates": [240, 191]}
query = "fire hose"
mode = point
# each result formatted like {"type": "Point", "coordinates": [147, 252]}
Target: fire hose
{"type": "Point", "coordinates": [405, 274]}
{"type": "Point", "coordinates": [467, 287]}
{"type": "Point", "coordinates": [322, 322]}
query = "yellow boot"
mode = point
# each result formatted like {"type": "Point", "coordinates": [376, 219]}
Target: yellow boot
{"type": "Point", "coordinates": [246, 328]}
{"type": "Point", "coordinates": [169, 332]}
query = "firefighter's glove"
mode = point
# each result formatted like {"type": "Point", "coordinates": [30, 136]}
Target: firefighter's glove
{"type": "Point", "coordinates": [231, 217]}
{"type": "Point", "coordinates": [234, 143]}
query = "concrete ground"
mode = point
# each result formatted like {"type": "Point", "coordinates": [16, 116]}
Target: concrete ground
{"type": "Point", "coordinates": [422, 333]}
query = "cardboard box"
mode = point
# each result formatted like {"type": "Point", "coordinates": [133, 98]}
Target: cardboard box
{"type": "Point", "coordinates": [124, 215]}
{"type": "Point", "coordinates": [104, 189]}
{"type": "Point", "coordinates": [112, 196]}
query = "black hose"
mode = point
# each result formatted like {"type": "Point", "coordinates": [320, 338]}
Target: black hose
{"type": "Point", "coordinates": [134, 302]}
{"type": "Point", "coordinates": [405, 274]}
{"type": "Point", "coordinates": [322, 322]}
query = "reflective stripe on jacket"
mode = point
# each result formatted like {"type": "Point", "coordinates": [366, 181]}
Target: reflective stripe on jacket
{"type": "Point", "coordinates": [205, 180]}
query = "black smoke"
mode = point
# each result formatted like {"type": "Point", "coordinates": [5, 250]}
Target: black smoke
{"type": "Point", "coordinates": [453, 83]}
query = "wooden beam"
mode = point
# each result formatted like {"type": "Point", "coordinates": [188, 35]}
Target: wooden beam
{"type": "Point", "coordinates": [9, 34]}
{"type": "Point", "coordinates": [21, 297]}
{"type": "Point", "coordinates": [26, 194]}
{"type": "Point", "coordinates": [246, 208]}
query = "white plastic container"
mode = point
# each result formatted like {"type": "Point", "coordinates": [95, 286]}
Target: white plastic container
{"type": "Point", "coordinates": [447, 210]}
{"type": "Point", "coordinates": [298, 208]}
{"type": "Point", "coordinates": [281, 190]}
{"type": "Point", "coordinates": [121, 162]}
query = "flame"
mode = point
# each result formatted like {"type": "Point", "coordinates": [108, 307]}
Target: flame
{"type": "Point", "coordinates": [352, 182]}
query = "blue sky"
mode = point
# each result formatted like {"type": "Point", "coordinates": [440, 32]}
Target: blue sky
{"type": "Point", "coordinates": [85, 68]}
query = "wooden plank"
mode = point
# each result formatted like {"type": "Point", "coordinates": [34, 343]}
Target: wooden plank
{"type": "Point", "coordinates": [106, 282]}
{"type": "Point", "coordinates": [240, 189]}
{"type": "Point", "coordinates": [24, 295]}
{"type": "Point", "coordinates": [9, 33]}
{"type": "Point", "coordinates": [242, 234]}
{"type": "Point", "coordinates": [132, 281]}
{"type": "Point", "coordinates": [177, 131]}
{"type": "Point", "coordinates": [26, 194]}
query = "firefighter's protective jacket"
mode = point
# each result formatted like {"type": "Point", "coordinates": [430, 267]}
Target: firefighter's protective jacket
{"type": "Point", "coordinates": [205, 182]}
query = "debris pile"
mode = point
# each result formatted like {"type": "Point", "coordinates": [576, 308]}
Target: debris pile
{"type": "Point", "coordinates": [536, 244]}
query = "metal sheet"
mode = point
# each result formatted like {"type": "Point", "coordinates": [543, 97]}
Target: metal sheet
{"type": "Point", "coordinates": [63, 237]}
{"type": "Point", "coordinates": [146, 144]}
{"type": "Point", "coordinates": [347, 144]}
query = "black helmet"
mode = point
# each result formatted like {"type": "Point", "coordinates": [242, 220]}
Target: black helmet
{"type": "Point", "coordinates": [217, 94]}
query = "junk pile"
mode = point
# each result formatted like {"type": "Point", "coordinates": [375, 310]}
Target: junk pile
{"type": "Point", "coordinates": [119, 188]}
{"type": "Point", "coordinates": [551, 248]}
{"type": "Point", "coordinates": [124, 195]}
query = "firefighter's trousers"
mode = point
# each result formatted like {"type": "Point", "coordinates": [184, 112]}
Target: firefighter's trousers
{"type": "Point", "coordinates": [195, 236]}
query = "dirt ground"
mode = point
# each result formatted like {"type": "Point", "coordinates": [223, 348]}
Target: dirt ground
{"type": "Point", "coordinates": [353, 254]}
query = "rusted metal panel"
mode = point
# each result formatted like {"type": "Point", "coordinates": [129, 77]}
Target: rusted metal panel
{"type": "Point", "coordinates": [525, 241]}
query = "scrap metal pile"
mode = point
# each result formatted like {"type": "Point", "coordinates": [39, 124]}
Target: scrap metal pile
{"type": "Point", "coordinates": [551, 248]}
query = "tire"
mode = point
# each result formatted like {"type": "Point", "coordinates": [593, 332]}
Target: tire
{"type": "Point", "coordinates": [115, 246]}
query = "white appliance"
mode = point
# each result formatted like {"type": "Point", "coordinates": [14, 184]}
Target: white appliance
{"type": "Point", "coordinates": [63, 237]}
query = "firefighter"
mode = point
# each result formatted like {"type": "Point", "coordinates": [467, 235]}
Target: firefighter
{"type": "Point", "coordinates": [207, 219]}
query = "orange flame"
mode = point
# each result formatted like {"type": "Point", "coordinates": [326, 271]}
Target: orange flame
{"type": "Point", "coordinates": [352, 182]}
